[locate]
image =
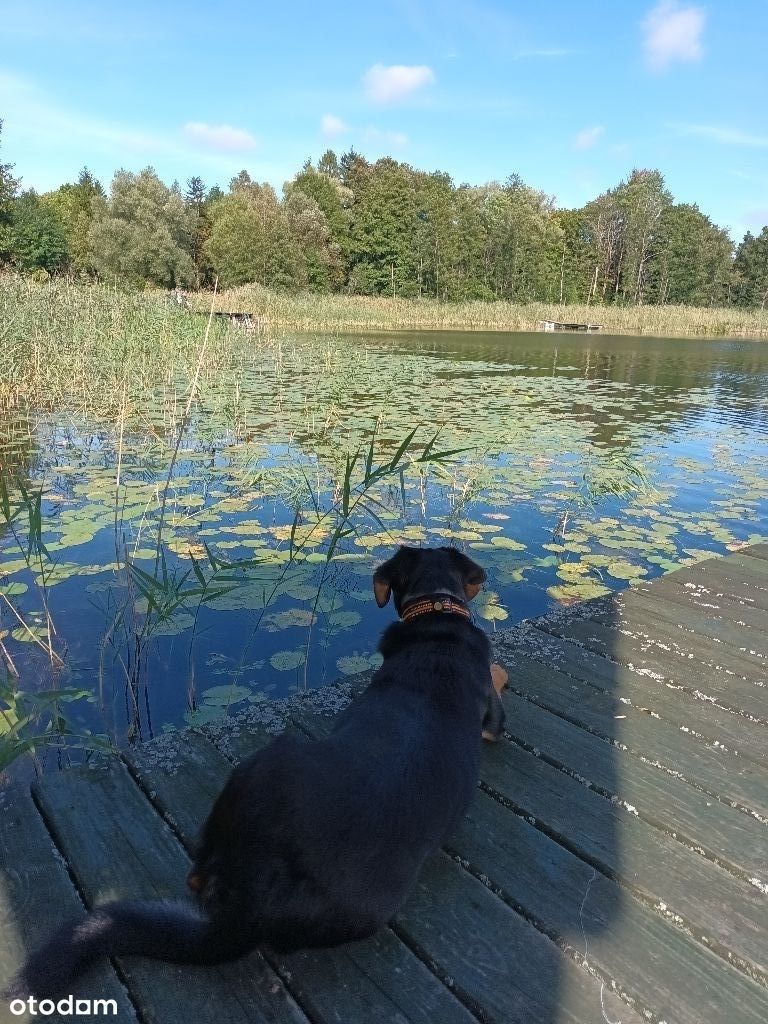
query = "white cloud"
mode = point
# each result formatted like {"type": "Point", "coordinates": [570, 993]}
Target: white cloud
{"type": "Point", "coordinates": [588, 137]}
{"type": "Point", "coordinates": [672, 32]}
{"type": "Point", "coordinates": [396, 82]}
{"type": "Point", "coordinates": [332, 126]}
{"type": "Point", "coordinates": [220, 137]}
{"type": "Point", "coordinates": [725, 136]}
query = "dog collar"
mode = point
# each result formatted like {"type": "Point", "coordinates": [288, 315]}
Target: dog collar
{"type": "Point", "coordinates": [424, 605]}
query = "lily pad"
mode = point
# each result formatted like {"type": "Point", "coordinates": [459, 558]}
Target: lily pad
{"type": "Point", "coordinates": [507, 543]}
{"type": "Point", "coordinates": [488, 607]}
{"type": "Point", "coordinates": [284, 661]}
{"type": "Point", "coordinates": [288, 618]}
{"type": "Point", "coordinates": [222, 696]}
{"type": "Point", "coordinates": [13, 589]}
{"type": "Point", "coordinates": [29, 634]}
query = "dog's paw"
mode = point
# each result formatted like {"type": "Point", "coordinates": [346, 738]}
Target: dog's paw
{"type": "Point", "coordinates": [499, 676]}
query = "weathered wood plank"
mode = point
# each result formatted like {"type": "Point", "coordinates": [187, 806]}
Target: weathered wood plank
{"type": "Point", "coordinates": [633, 853]}
{"type": "Point", "coordinates": [649, 617]}
{"type": "Point", "coordinates": [682, 659]}
{"type": "Point", "coordinates": [567, 691]}
{"type": "Point", "coordinates": [658, 966]}
{"type": "Point", "coordinates": [697, 596]}
{"type": "Point", "coordinates": [37, 895]}
{"type": "Point", "coordinates": [495, 958]}
{"type": "Point", "coordinates": [118, 846]}
{"type": "Point", "coordinates": [377, 980]}
{"type": "Point", "coordinates": [633, 605]}
{"type": "Point", "coordinates": [651, 689]}
{"type": "Point", "coordinates": [724, 833]}
{"type": "Point", "coordinates": [746, 563]}
{"type": "Point", "coordinates": [738, 578]}
{"type": "Point", "coordinates": [758, 550]}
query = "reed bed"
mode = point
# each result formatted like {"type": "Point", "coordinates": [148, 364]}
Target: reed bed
{"type": "Point", "coordinates": [339, 313]}
{"type": "Point", "coordinates": [87, 346]}
{"type": "Point", "coordinates": [85, 343]}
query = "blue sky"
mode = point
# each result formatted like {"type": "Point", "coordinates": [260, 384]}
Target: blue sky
{"type": "Point", "coordinates": [571, 96]}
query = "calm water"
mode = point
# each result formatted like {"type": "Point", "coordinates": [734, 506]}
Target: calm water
{"type": "Point", "coordinates": [551, 424]}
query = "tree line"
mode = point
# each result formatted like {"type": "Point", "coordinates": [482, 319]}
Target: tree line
{"type": "Point", "coordinates": [384, 228]}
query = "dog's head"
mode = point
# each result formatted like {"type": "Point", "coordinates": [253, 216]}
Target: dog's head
{"type": "Point", "coordinates": [417, 572]}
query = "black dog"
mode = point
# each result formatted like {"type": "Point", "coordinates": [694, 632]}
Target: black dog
{"type": "Point", "coordinates": [316, 843]}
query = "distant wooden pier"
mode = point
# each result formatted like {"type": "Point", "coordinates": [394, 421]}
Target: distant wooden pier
{"type": "Point", "coordinates": [613, 866]}
{"type": "Point", "coordinates": [557, 325]}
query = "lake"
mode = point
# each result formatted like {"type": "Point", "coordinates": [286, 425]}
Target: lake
{"type": "Point", "coordinates": [584, 463]}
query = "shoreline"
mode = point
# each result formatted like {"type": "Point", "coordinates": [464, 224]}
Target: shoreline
{"type": "Point", "coordinates": [277, 313]}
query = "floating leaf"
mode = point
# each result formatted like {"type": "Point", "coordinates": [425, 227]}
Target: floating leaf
{"type": "Point", "coordinates": [29, 634]}
{"type": "Point", "coordinates": [205, 715]}
{"type": "Point", "coordinates": [507, 543]}
{"type": "Point", "coordinates": [222, 696]}
{"type": "Point", "coordinates": [290, 617]}
{"type": "Point", "coordinates": [571, 593]}
{"type": "Point", "coordinates": [488, 607]}
{"type": "Point", "coordinates": [353, 663]}
{"type": "Point", "coordinates": [625, 570]}
{"type": "Point", "coordinates": [341, 620]}
{"type": "Point", "coordinates": [179, 622]}
{"type": "Point", "coordinates": [284, 661]}
{"type": "Point", "coordinates": [13, 589]}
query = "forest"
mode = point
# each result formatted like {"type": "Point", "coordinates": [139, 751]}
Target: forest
{"type": "Point", "coordinates": [348, 225]}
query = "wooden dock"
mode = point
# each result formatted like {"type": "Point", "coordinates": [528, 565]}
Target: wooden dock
{"type": "Point", "coordinates": [613, 866]}
{"type": "Point", "coordinates": [557, 325]}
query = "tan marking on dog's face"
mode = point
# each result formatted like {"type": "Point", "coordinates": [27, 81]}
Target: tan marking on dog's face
{"type": "Point", "coordinates": [381, 592]}
{"type": "Point", "coordinates": [195, 882]}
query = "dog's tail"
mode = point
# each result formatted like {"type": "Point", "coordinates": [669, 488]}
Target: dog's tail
{"type": "Point", "coordinates": [175, 932]}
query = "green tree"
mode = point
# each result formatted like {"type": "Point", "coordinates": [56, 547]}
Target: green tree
{"type": "Point", "coordinates": [144, 234]}
{"type": "Point", "coordinates": [435, 237]}
{"type": "Point", "coordinates": [622, 226]}
{"type": "Point", "coordinates": [333, 198]}
{"type": "Point", "coordinates": [323, 264]}
{"type": "Point", "coordinates": [251, 240]}
{"type": "Point", "coordinates": [643, 201]}
{"type": "Point", "coordinates": [8, 189]}
{"type": "Point", "coordinates": [524, 242]}
{"type": "Point", "coordinates": [751, 270]}
{"type": "Point", "coordinates": [693, 259]}
{"type": "Point", "coordinates": [36, 236]}
{"type": "Point", "coordinates": [471, 268]}
{"type": "Point", "coordinates": [329, 165]}
{"type": "Point", "coordinates": [198, 202]}
{"type": "Point", "coordinates": [576, 258]}
{"type": "Point", "coordinates": [76, 205]}
{"type": "Point", "coordinates": [383, 229]}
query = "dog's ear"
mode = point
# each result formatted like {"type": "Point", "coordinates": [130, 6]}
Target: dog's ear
{"type": "Point", "coordinates": [394, 573]}
{"type": "Point", "coordinates": [472, 575]}
{"type": "Point", "coordinates": [382, 586]}
{"type": "Point", "coordinates": [384, 576]}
